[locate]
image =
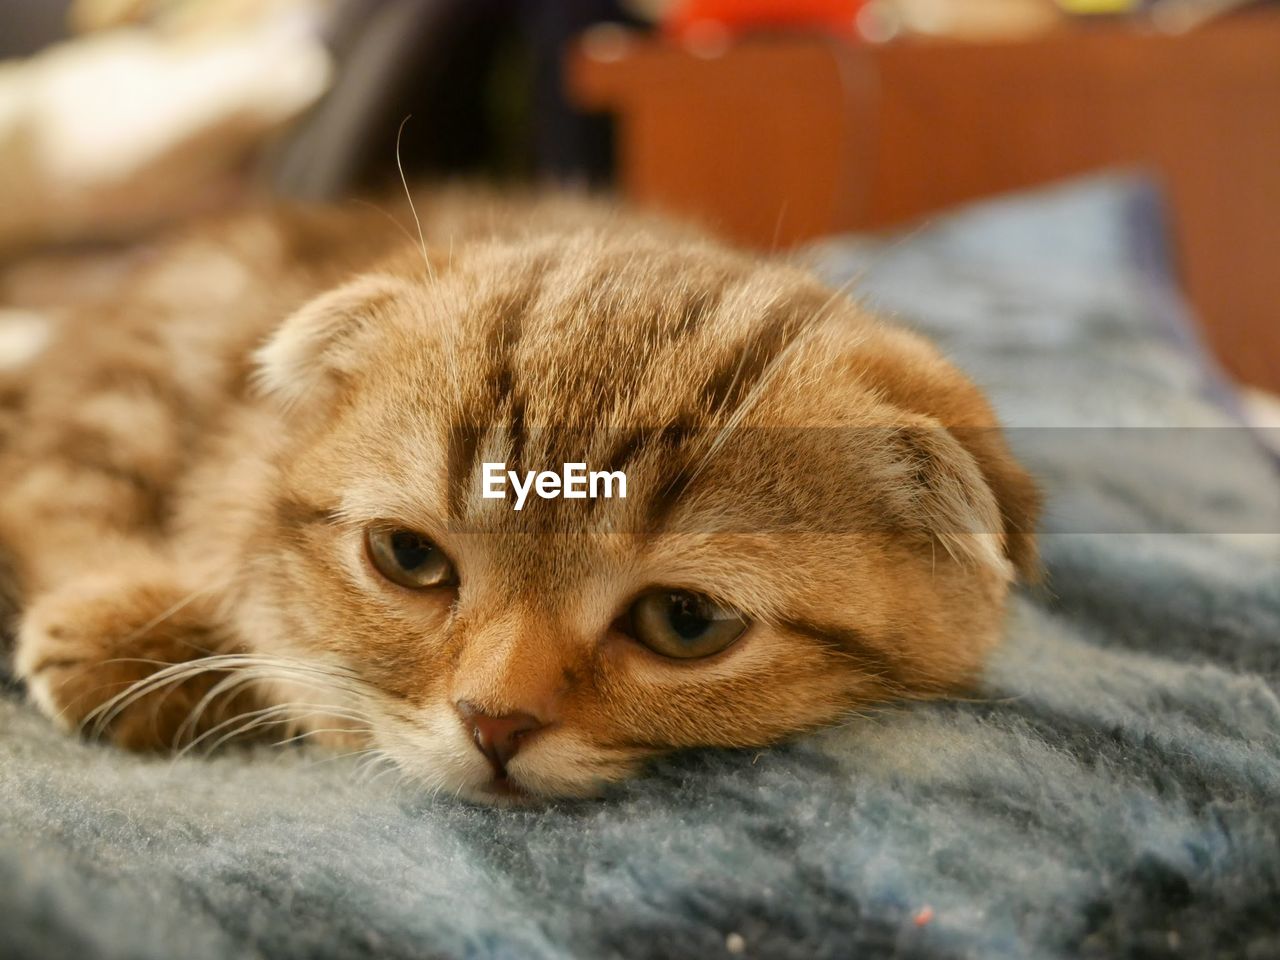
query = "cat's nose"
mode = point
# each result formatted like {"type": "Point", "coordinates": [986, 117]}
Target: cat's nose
{"type": "Point", "coordinates": [497, 736]}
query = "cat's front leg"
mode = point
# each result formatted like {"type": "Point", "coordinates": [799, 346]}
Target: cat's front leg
{"type": "Point", "coordinates": [140, 660]}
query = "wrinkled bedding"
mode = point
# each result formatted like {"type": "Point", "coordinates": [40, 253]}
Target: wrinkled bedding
{"type": "Point", "coordinates": [1114, 788]}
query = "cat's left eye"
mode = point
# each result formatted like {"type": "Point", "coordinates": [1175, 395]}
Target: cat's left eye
{"type": "Point", "coordinates": [683, 624]}
{"type": "Point", "coordinates": [408, 558]}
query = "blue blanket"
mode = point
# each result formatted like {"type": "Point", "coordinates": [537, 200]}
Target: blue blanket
{"type": "Point", "coordinates": [1113, 790]}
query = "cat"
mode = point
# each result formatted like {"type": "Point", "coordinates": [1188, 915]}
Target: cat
{"type": "Point", "coordinates": [244, 496]}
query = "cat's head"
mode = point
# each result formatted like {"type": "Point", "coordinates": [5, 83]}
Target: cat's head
{"type": "Point", "coordinates": [820, 512]}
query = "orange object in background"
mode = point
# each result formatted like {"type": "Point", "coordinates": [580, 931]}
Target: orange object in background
{"type": "Point", "coordinates": [693, 19]}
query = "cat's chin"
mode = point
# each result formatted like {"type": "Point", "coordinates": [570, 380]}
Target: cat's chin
{"type": "Point", "coordinates": [506, 792]}
{"type": "Point", "coordinates": [503, 792]}
{"type": "Point", "coordinates": [512, 791]}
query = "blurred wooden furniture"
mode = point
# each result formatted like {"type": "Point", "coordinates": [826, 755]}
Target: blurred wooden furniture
{"type": "Point", "coordinates": [776, 141]}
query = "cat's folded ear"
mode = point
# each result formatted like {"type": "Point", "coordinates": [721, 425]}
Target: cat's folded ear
{"type": "Point", "coordinates": [964, 488]}
{"type": "Point", "coordinates": [311, 352]}
{"type": "Point", "coordinates": [1017, 496]}
{"type": "Point", "coordinates": [963, 441]}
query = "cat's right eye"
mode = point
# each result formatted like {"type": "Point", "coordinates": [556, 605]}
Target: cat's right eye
{"type": "Point", "coordinates": [407, 558]}
{"type": "Point", "coordinates": [684, 625]}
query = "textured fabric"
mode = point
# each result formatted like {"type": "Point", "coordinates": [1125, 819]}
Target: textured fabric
{"type": "Point", "coordinates": [1113, 791]}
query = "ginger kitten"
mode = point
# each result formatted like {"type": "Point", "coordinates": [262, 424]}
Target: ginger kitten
{"type": "Point", "coordinates": [250, 495]}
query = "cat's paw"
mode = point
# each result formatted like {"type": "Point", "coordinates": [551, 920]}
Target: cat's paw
{"type": "Point", "coordinates": [102, 658]}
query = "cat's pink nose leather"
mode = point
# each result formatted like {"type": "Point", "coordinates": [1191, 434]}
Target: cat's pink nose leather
{"type": "Point", "coordinates": [499, 736]}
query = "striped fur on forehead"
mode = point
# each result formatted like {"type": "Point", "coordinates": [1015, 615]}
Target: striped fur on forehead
{"type": "Point", "coordinates": [592, 331]}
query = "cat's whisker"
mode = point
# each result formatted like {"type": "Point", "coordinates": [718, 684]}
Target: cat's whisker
{"type": "Point", "coordinates": [162, 616]}
{"type": "Point", "coordinates": [148, 661]}
{"type": "Point", "coordinates": [102, 716]}
{"type": "Point", "coordinates": [373, 206]}
{"type": "Point", "coordinates": [263, 720]}
{"type": "Point", "coordinates": [298, 737]}
{"type": "Point", "coordinates": [291, 715]}
{"type": "Point", "coordinates": [319, 711]}
{"type": "Point", "coordinates": [85, 694]}
{"type": "Point", "coordinates": [271, 668]}
{"type": "Point", "coordinates": [242, 723]}
{"type": "Point", "coordinates": [250, 674]}
{"type": "Point", "coordinates": [230, 683]}
{"type": "Point", "coordinates": [91, 691]}
{"type": "Point", "coordinates": [777, 227]}
{"type": "Point", "coordinates": [377, 767]}
{"type": "Point", "coordinates": [335, 757]}
{"type": "Point", "coordinates": [283, 713]}
{"type": "Point", "coordinates": [176, 673]}
{"type": "Point", "coordinates": [408, 195]}
{"type": "Point", "coordinates": [367, 769]}
{"type": "Point", "coordinates": [757, 391]}
{"type": "Point", "coordinates": [392, 767]}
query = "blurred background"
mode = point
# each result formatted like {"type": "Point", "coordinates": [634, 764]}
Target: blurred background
{"type": "Point", "coordinates": [773, 121]}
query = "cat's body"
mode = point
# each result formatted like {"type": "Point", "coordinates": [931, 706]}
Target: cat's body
{"type": "Point", "coordinates": [820, 511]}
